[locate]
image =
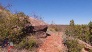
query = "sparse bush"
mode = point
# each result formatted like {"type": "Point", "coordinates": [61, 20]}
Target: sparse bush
{"type": "Point", "coordinates": [27, 44]}
{"type": "Point", "coordinates": [72, 23]}
{"type": "Point", "coordinates": [90, 31]}
{"type": "Point", "coordinates": [82, 32]}
{"type": "Point", "coordinates": [11, 25]}
{"type": "Point", "coordinates": [73, 46]}
{"type": "Point", "coordinates": [79, 31]}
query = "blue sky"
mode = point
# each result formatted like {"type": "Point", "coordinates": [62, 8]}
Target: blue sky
{"type": "Point", "coordinates": [58, 11]}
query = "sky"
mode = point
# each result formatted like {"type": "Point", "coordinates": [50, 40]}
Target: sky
{"type": "Point", "coordinates": [58, 11]}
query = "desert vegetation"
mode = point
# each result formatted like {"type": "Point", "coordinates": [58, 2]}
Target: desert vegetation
{"type": "Point", "coordinates": [13, 27]}
{"type": "Point", "coordinates": [81, 32]}
{"type": "Point", "coordinates": [27, 34]}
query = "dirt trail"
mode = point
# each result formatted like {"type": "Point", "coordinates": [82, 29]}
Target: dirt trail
{"type": "Point", "coordinates": [52, 43]}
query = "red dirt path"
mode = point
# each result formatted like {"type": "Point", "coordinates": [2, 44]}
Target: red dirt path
{"type": "Point", "coordinates": [52, 43]}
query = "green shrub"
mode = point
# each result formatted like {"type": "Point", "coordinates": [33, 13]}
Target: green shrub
{"type": "Point", "coordinates": [79, 31]}
{"type": "Point", "coordinates": [27, 44]}
{"type": "Point", "coordinates": [73, 46]}
{"type": "Point", "coordinates": [11, 25]}
{"type": "Point", "coordinates": [71, 22]}
{"type": "Point", "coordinates": [32, 43]}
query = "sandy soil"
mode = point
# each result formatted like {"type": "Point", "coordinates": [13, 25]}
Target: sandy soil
{"type": "Point", "coordinates": [53, 43]}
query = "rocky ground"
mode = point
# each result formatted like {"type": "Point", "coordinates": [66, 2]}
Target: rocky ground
{"type": "Point", "coordinates": [53, 43]}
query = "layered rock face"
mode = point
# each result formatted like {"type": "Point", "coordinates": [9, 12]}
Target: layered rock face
{"type": "Point", "coordinates": [39, 31]}
{"type": "Point", "coordinates": [37, 27]}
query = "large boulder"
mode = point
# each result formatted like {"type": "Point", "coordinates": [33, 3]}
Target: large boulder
{"type": "Point", "coordinates": [37, 27]}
